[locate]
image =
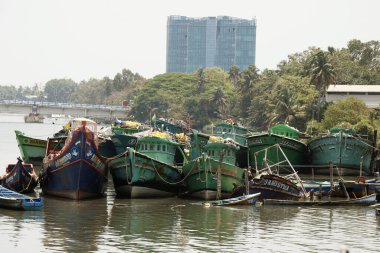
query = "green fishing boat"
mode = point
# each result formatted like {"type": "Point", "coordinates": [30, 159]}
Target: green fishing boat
{"type": "Point", "coordinates": [150, 170]}
{"type": "Point", "coordinates": [346, 150]}
{"type": "Point", "coordinates": [229, 129]}
{"type": "Point", "coordinates": [288, 139]}
{"type": "Point", "coordinates": [201, 174]}
{"type": "Point", "coordinates": [124, 134]}
{"type": "Point", "coordinates": [32, 149]}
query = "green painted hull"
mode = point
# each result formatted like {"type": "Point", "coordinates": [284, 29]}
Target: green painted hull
{"type": "Point", "coordinates": [136, 175]}
{"type": "Point", "coordinates": [201, 178]}
{"type": "Point", "coordinates": [32, 150]}
{"type": "Point", "coordinates": [123, 141]}
{"type": "Point", "coordinates": [346, 153]}
{"type": "Point", "coordinates": [294, 150]}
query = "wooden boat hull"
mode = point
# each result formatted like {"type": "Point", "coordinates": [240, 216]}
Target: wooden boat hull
{"type": "Point", "coordinates": [250, 199]}
{"type": "Point", "coordinates": [19, 177]}
{"type": "Point", "coordinates": [363, 201]}
{"type": "Point", "coordinates": [13, 200]}
{"type": "Point", "coordinates": [78, 172]}
{"type": "Point", "coordinates": [294, 150]}
{"type": "Point", "coordinates": [272, 187]}
{"type": "Point", "coordinates": [32, 150]}
{"type": "Point", "coordinates": [136, 175]}
{"type": "Point", "coordinates": [201, 179]}
{"type": "Point", "coordinates": [123, 141]}
{"type": "Point", "coordinates": [345, 152]}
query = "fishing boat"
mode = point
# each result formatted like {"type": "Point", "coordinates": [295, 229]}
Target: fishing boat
{"type": "Point", "coordinates": [272, 185]}
{"type": "Point", "coordinates": [249, 199]}
{"type": "Point", "coordinates": [151, 170]}
{"type": "Point", "coordinates": [289, 140]}
{"type": "Point", "coordinates": [352, 154]}
{"type": "Point", "coordinates": [19, 177]}
{"type": "Point", "coordinates": [214, 175]}
{"type": "Point", "coordinates": [32, 149]}
{"type": "Point", "coordinates": [34, 118]}
{"type": "Point", "coordinates": [75, 169]}
{"type": "Point", "coordinates": [363, 201]}
{"type": "Point", "coordinates": [14, 200]}
{"type": "Point", "coordinates": [230, 129]}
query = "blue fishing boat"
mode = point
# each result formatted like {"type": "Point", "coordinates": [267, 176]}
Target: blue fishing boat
{"type": "Point", "coordinates": [13, 200]}
{"type": "Point", "coordinates": [19, 177]}
{"type": "Point", "coordinates": [77, 171]}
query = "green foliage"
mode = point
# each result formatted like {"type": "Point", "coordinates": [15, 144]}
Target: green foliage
{"type": "Point", "coordinates": [350, 110]}
{"type": "Point", "coordinates": [175, 94]}
{"type": "Point", "coordinates": [59, 90]}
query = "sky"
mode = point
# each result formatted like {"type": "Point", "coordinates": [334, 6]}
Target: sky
{"type": "Point", "coordinates": [42, 40]}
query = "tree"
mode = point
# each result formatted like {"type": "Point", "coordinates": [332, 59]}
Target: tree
{"type": "Point", "coordinates": [218, 102]}
{"type": "Point", "coordinates": [350, 110]}
{"type": "Point", "coordinates": [60, 90]}
{"type": "Point", "coordinates": [234, 74]}
{"type": "Point", "coordinates": [322, 75]}
{"type": "Point", "coordinates": [201, 80]}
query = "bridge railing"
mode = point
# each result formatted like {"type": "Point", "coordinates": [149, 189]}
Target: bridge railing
{"type": "Point", "coordinates": [65, 105]}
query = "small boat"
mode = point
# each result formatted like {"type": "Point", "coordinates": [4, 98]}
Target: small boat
{"type": "Point", "coordinates": [34, 118]}
{"type": "Point", "coordinates": [13, 200]}
{"type": "Point", "coordinates": [19, 177]}
{"type": "Point", "coordinates": [32, 149]}
{"type": "Point", "coordinates": [363, 201]}
{"type": "Point", "coordinates": [75, 169]}
{"type": "Point", "coordinates": [249, 199]}
{"type": "Point", "coordinates": [272, 185]}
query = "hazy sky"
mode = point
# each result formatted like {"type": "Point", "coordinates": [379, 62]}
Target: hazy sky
{"type": "Point", "coordinates": [79, 39]}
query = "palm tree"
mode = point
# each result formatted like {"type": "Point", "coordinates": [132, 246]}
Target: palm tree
{"type": "Point", "coordinates": [250, 77]}
{"type": "Point", "coordinates": [234, 74]}
{"type": "Point", "coordinates": [287, 109]}
{"type": "Point", "coordinates": [201, 80]}
{"type": "Point", "coordinates": [322, 75]}
{"type": "Point", "coordinates": [218, 101]}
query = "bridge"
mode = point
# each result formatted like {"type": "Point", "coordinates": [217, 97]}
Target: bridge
{"type": "Point", "coordinates": [75, 110]}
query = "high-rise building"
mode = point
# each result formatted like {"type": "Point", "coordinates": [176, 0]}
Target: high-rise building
{"type": "Point", "coordinates": [222, 41]}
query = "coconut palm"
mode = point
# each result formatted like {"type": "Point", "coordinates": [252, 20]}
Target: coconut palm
{"type": "Point", "coordinates": [234, 74]}
{"type": "Point", "coordinates": [287, 109]}
{"type": "Point", "coordinates": [322, 73]}
{"type": "Point", "coordinates": [218, 101]}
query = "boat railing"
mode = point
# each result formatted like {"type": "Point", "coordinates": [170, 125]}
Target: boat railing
{"type": "Point", "coordinates": [268, 167]}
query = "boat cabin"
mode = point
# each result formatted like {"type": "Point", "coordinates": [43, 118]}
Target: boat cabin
{"type": "Point", "coordinates": [218, 150]}
{"type": "Point", "coordinates": [161, 149]}
{"type": "Point", "coordinates": [285, 130]}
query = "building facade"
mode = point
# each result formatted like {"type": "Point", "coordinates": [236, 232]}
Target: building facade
{"type": "Point", "coordinates": [222, 41]}
{"type": "Point", "coordinates": [369, 94]}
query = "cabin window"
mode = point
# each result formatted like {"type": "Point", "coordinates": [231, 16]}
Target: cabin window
{"type": "Point", "coordinates": [158, 147]}
{"type": "Point", "coordinates": [163, 147]}
{"type": "Point", "coordinates": [209, 152]}
{"type": "Point", "coordinates": [145, 146]}
{"type": "Point", "coordinates": [228, 152]}
{"type": "Point", "coordinates": [138, 147]}
{"type": "Point", "coordinates": [151, 146]}
{"type": "Point", "coordinates": [212, 152]}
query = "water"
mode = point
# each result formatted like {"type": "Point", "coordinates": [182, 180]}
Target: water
{"type": "Point", "coordinates": [174, 225]}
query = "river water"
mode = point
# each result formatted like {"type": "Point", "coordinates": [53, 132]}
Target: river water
{"type": "Point", "coordinates": [110, 224]}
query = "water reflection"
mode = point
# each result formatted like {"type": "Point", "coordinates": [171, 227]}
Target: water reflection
{"type": "Point", "coordinates": [74, 226]}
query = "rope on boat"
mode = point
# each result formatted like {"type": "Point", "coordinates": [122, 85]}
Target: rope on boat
{"type": "Point", "coordinates": [163, 179]}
